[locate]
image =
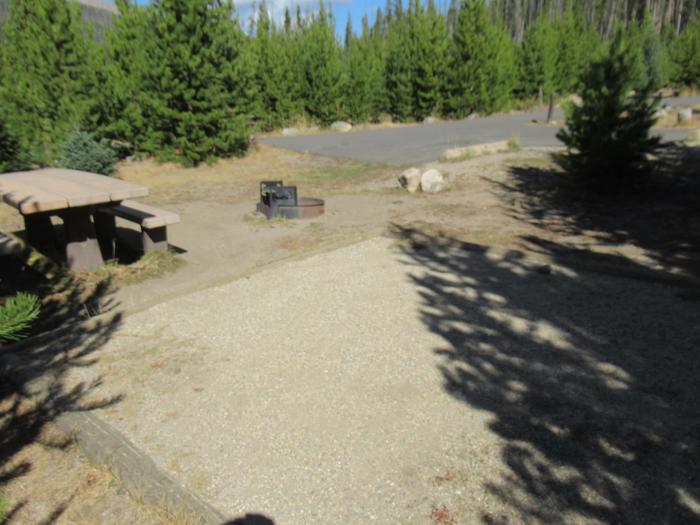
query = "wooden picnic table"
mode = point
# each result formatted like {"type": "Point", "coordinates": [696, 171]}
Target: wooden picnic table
{"type": "Point", "coordinates": [72, 195]}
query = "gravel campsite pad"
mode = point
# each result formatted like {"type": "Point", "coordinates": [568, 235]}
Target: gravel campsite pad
{"type": "Point", "coordinates": [399, 381]}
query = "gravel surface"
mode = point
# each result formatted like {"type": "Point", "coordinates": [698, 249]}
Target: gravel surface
{"type": "Point", "coordinates": [384, 384]}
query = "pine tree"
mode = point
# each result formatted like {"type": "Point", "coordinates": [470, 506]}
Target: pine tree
{"type": "Point", "coordinates": [538, 57]}
{"type": "Point", "coordinates": [429, 46]}
{"type": "Point", "coordinates": [195, 80]}
{"type": "Point", "coordinates": [399, 69]}
{"type": "Point", "coordinates": [608, 137]}
{"type": "Point", "coordinates": [685, 55]}
{"type": "Point", "coordinates": [119, 111]}
{"type": "Point", "coordinates": [273, 74]}
{"type": "Point", "coordinates": [348, 33]}
{"type": "Point", "coordinates": [646, 52]}
{"type": "Point", "coordinates": [322, 68]}
{"type": "Point", "coordinates": [364, 84]}
{"type": "Point", "coordinates": [578, 42]}
{"type": "Point", "coordinates": [45, 81]}
{"type": "Point", "coordinates": [482, 63]}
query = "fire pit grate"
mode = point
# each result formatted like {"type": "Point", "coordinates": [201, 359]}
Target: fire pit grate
{"type": "Point", "coordinates": [278, 200]}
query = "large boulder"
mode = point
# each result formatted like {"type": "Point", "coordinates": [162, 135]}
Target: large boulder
{"type": "Point", "coordinates": [410, 179]}
{"type": "Point", "coordinates": [685, 116]}
{"type": "Point", "coordinates": [432, 181]}
{"type": "Point", "coordinates": [341, 126]}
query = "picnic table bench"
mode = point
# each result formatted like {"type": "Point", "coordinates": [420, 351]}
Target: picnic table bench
{"type": "Point", "coordinates": [74, 196]}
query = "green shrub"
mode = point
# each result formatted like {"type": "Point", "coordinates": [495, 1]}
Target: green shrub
{"type": "Point", "coordinates": [608, 137]}
{"type": "Point", "coordinates": [82, 152]}
{"type": "Point", "coordinates": [16, 315]}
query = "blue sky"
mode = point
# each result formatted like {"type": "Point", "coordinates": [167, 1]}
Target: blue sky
{"type": "Point", "coordinates": [341, 9]}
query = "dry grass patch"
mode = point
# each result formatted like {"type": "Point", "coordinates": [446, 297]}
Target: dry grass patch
{"type": "Point", "coordinates": [238, 179]}
{"type": "Point", "coordinates": [151, 265]}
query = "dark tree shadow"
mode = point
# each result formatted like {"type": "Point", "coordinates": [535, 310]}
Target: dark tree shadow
{"type": "Point", "coordinates": [591, 380]}
{"type": "Point", "coordinates": [660, 216]}
{"type": "Point", "coordinates": [251, 519]}
{"type": "Point", "coordinates": [34, 389]}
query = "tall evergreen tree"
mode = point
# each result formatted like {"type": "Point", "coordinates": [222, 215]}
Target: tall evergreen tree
{"type": "Point", "coordinates": [685, 55]}
{"type": "Point", "coordinates": [195, 80]}
{"type": "Point", "coordinates": [429, 47]}
{"type": "Point", "coordinates": [273, 73]}
{"type": "Point", "coordinates": [119, 109]}
{"type": "Point", "coordinates": [538, 59]}
{"type": "Point", "coordinates": [578, 42]}
{"type": "Point", "coordinates": [322, 69]}
{"type": "Point", "coordinates": [482, 63]}
{"type": "Point", "coordinates": [364, 87]}
{"type": "Point", "coordinates": [399, 69]}
{"type": "Point", "coordinates": [45, 80]}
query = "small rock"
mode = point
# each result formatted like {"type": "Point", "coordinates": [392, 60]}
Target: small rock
{"type": "Point", "coordinates": [473, 116]}
{"type": "Point", "coordinates": [685, 115]}
{"type": "Point", "coordinates": [661, 114]}
{"type": "Point", "coordinates": [545, 269]}
{"type": "Point", "coordinates": [429, 120]}
{"type": "Point", "coordinates": [410, 179]}
{"type": "Point", "coordinates": [432, 181]}
{"type": "Point", "coordinates": [693, 138]}
{"type": "Point", "coordinates": [290, 132]}
{"type": "Point", "coordinates": [341, 126]}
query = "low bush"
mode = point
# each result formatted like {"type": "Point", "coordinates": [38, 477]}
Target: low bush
{"type": "Point", "coordinates": [82, 152]}
{"type": "Point", "coordinates": [608, 137]}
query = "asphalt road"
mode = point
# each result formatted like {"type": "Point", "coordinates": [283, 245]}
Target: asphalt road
{"type": "Point", "coordinates": [426, 142]}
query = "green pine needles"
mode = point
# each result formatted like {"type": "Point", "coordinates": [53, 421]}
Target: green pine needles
{"type": "Point", "coordinates": [194, 81]}
{"type": "Point", "coordinates": [608, 136]}
{"type": "Point", "coordinates": [82, 152]}
{"type": "Point", "coordinates": [16, 315]}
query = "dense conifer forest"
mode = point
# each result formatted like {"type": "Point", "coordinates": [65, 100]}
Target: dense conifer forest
{"type": "Point", "coordinates": [188, 80]}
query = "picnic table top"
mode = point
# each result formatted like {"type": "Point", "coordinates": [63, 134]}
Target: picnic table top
{"type": "Point", "coordinates": [54, 189]}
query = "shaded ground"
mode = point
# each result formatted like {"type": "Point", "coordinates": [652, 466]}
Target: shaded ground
{"type": "Point", "coordinates": [60, 487]}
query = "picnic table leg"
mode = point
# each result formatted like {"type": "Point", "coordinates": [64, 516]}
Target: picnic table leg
{"type": "Point", "coordinates": [154, 239]}
{"type": "Point", "coordinates": [106, 229]}
{"type": "Point", "coordinates": [39, 230]}
{"type": "Point", "coordinates": [82, 248]}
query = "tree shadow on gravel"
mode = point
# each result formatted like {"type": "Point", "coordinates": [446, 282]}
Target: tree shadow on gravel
{"type": "Point", "coordinates": [661, 218]}
{"type": "Point", "coordinates": [34, 389]}
{"type": "Point", "coordinates": [591, 381]}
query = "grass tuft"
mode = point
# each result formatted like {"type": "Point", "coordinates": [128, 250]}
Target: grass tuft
{"type": "Point", "coordinates": [151, 265]}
